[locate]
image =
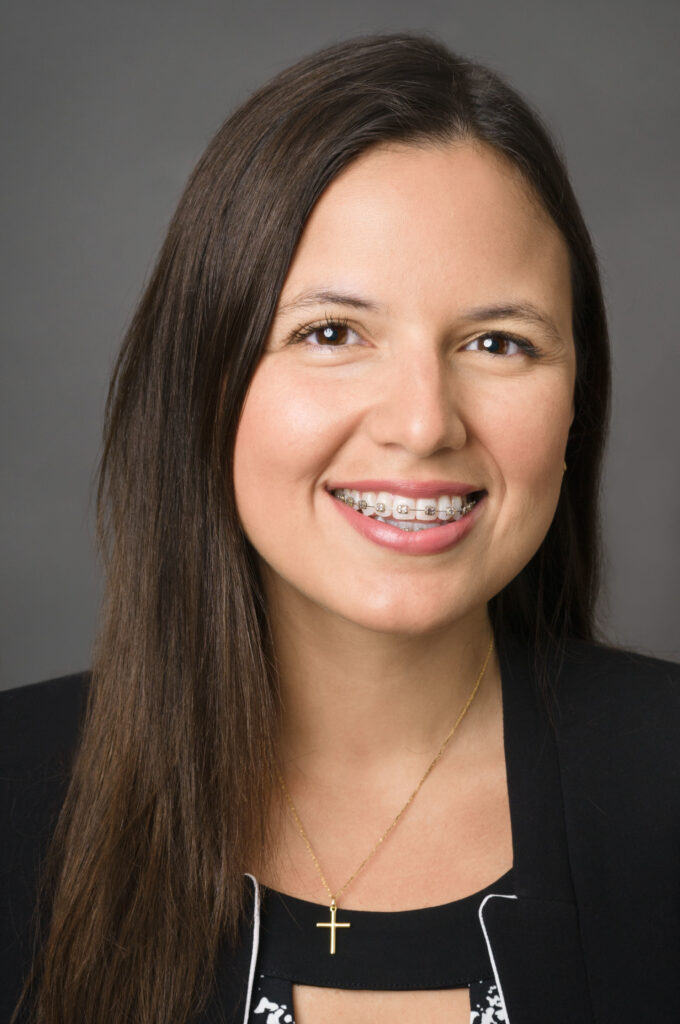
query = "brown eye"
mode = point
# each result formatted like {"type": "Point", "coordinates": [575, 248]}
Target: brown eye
{"type": "Point", "coordinates": [498, 344]}
{"type": "Point", "coordinates": [331, 334]}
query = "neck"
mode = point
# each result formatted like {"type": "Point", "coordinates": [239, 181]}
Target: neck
{"type": "Point", "coordinates": [362, 700]}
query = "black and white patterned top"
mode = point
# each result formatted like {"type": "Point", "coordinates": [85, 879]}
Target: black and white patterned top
{"type": "Point", "coordinates": [432, 948]}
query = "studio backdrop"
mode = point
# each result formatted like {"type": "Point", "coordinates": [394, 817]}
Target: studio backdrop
{"type": "Point", "coordinates": [106, 107]}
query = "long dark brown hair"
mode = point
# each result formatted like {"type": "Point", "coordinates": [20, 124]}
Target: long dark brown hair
{"type": "Point", "coordinates": [170, 791]}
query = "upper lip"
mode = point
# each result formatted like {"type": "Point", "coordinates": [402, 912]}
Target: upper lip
{"type": "Point", "coordinates": [407, 488]}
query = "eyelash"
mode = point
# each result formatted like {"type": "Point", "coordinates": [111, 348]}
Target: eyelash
{"type": "Point", "coordinates": [303, 333]}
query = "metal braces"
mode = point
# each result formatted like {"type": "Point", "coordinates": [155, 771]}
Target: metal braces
{"type": "Point", "coordinates": [381, 508]}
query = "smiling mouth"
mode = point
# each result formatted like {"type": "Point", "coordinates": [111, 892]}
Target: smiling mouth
{"type": "Point", "coordinates": [425, 514]}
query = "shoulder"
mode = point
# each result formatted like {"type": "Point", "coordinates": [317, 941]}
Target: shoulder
{"type": "Point", "coordinates": [618, 736]}
{"type": "Point", "coordinates": [603, 661]}
{"type": "Point", "coordinates": [599, 683]}
{"type": "Point", "coordinates": [39, 730]}
{"type": "Point", "coordinates": [41, 722]}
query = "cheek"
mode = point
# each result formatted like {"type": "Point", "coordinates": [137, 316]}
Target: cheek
{"type": "Point", "coordinates": [528, 439]}
{"type": "Point", "coordinates": [535, 443]}
{"type": "Point", "coordinates": [285, 436]}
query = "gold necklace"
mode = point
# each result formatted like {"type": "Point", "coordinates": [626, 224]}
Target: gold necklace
{"type": "Point", "coordinates": [333, 924]}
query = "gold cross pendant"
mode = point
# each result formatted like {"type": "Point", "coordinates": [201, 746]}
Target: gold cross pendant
{"type": "Point", "coordinates": [333, 924]}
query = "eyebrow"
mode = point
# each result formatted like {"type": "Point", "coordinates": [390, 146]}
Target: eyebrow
{"type": "Point", "coordinates": [307, 299]}
{"type": "Point", "coordinates": [523, 311]}
{"type": "Point", "coordinates": [518, 311]}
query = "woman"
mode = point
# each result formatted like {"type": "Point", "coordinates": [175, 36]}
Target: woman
{"type": "Point", "coordinates": [349, 750]}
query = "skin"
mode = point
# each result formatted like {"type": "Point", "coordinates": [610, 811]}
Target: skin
{"type": "Point", "coordinates": [378, 650]}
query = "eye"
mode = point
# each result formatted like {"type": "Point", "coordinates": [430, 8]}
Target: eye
{"type": "Point", "coordinates": [497, 343]}
{"type": "Point", "coordinates": [329, 334]}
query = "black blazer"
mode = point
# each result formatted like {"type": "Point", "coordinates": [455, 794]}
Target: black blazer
{"type": "Point", "coordinates": [593, 933]}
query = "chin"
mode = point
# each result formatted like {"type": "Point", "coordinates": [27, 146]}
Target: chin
{"type": "Point", "coordinates": [407, 618]}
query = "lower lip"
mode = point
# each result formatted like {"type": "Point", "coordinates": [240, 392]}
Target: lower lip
{"type": "Point", "coordinates": [416, 542]}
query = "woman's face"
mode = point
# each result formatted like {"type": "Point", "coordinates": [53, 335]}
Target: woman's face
{"type": "Point", "coordinates": [422, 348]}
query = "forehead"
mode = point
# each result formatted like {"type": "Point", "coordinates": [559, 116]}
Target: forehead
{"type": "Point", "coordinates": [422, 225]}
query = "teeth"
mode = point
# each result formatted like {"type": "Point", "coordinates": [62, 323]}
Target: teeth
{"type": "Point", "coordinates": [444, 507]}
{"type": "Point", "coordinates": [402, 508]}
{"type": "Point", "coordinates": [426, 509]}
{"type": "Point", "coordinates": [450, 507]}
{"type": "Point", "coordinates": [370, 498]}
{"type": "Point", "coordinates": [409, 527]}
{"type": "Point", "coordinates": [385, 506]}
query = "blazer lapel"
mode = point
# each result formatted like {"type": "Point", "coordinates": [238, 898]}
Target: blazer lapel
{"type": "Point", "coordinates": [533, 939]}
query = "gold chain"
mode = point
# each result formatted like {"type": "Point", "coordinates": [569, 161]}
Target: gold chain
{"type": "Point", "coordinates": [461, 716]}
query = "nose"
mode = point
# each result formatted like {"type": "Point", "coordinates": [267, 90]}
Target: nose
{"type": "Point", "coordinates": [416, 406]}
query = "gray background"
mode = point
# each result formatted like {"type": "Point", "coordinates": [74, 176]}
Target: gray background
{"type": "Point", "coordinates": [106, 108]}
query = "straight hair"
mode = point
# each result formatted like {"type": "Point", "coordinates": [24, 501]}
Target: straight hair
{"type": "Point", "coordinates": [171, 787]}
